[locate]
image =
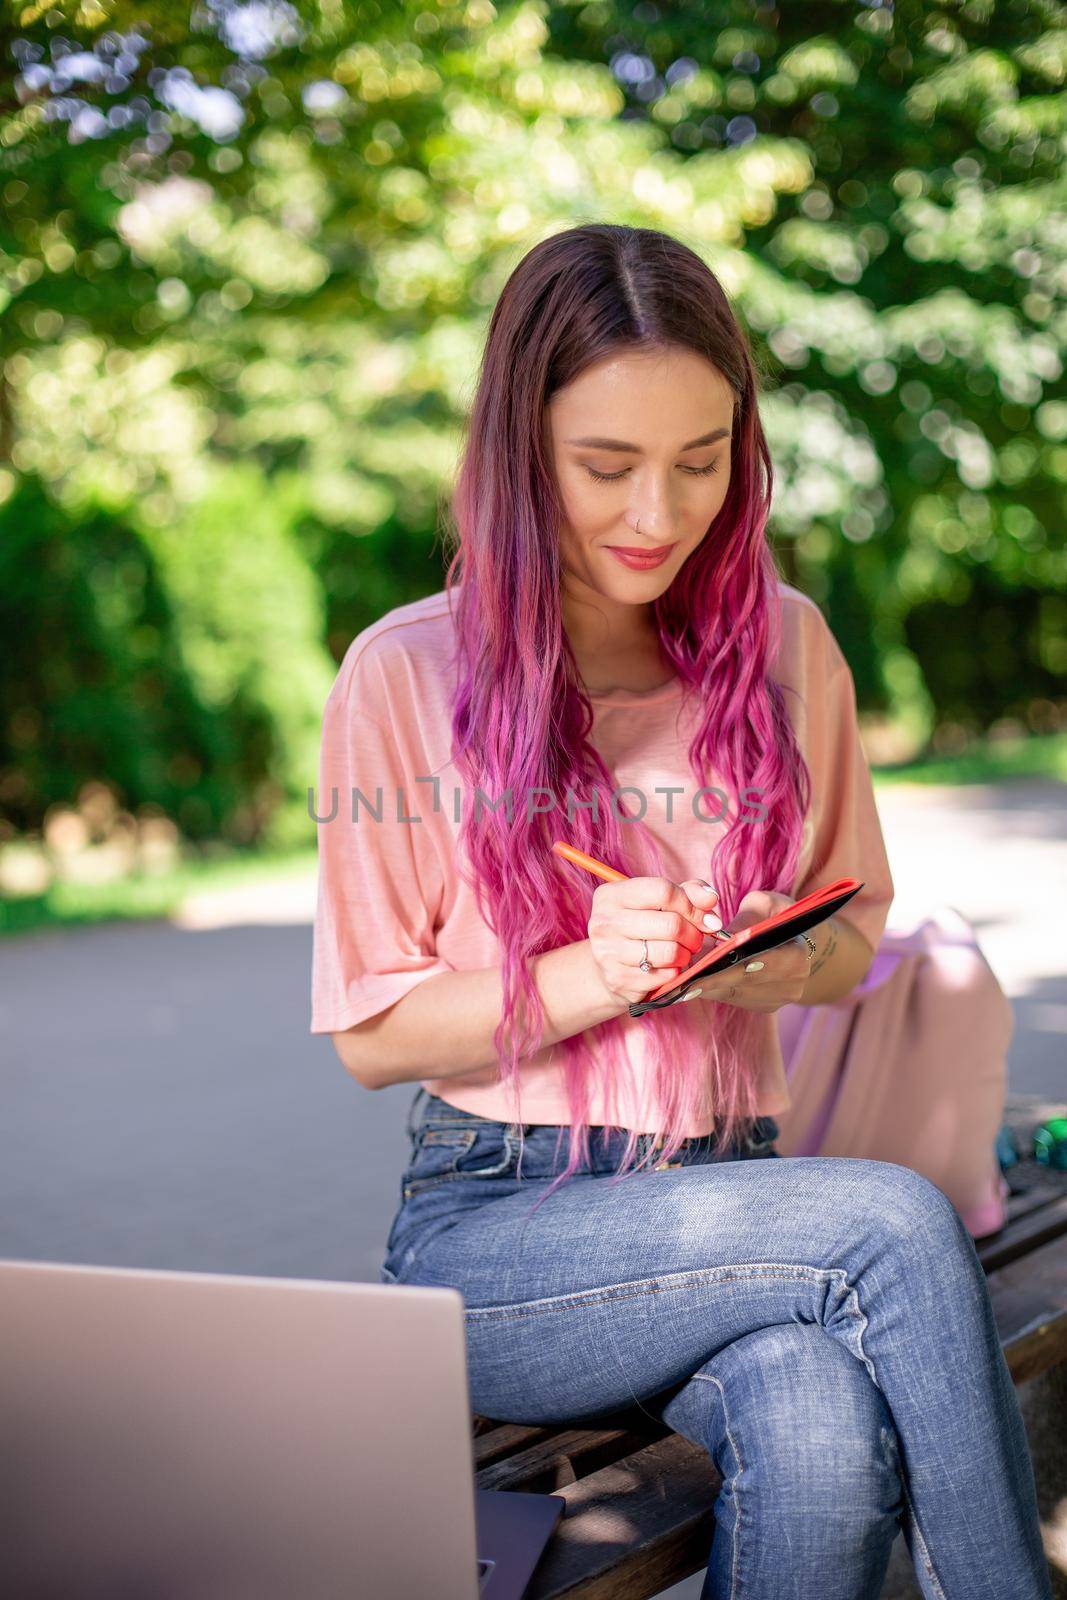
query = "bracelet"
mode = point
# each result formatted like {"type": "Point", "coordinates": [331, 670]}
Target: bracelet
{"type": "Point", "coordinates": [810, 942]}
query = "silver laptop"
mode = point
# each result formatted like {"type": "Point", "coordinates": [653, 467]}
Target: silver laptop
{"type": "Point", "coordinates": [196, 1436]}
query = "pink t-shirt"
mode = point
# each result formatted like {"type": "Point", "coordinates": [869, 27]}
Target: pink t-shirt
{"type": "Point", "coordinates": [393, 910]}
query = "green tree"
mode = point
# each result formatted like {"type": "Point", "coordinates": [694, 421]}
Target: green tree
{"type": "Point", "coordinates": [272, 234]}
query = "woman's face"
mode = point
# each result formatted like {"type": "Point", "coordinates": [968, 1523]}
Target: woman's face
{"type": "Point", "coordinates": [640, 446]}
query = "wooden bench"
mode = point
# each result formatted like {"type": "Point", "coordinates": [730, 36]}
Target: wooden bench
{"type": "Point", "coordinates": [639, 1496]}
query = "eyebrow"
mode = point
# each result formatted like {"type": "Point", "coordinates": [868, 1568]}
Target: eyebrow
{"type": "Point", "coordinates": [620, 444]}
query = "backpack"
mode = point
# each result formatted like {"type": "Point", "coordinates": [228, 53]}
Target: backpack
{"type": "Point", "coordinates": [911, 1067]}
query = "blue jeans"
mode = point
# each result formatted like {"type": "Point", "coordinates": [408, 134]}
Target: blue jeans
{"type": "Point", "coordinates": [821, 1325]}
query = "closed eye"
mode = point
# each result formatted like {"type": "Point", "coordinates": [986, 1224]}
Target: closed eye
{"type": "Point", "coordinates": [613, 477]}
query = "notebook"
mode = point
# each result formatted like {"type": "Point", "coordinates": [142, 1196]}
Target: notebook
{"type": "Point", "coordinates": [748, 942]}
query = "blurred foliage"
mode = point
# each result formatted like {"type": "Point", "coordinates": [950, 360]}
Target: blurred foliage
{"type": "Point", "coordinates": [179, 661]}
{"type": "Point", "coordinates": [247, 255]}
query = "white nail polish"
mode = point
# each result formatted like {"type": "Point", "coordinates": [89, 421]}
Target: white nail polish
{"type": "Point", "coordinates": [754, 966]}
{"type": "Point", "coordinates": [692, 994]}
{"type": "Point", "coordinates": [712, 921]}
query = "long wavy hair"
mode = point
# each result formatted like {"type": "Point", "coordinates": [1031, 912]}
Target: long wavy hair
{"type": "Point", "coordinates": [520, 718]}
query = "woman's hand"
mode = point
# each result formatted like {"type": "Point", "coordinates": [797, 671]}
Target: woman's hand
{"type": "Point", "coordinates": [782, 973]}
{"type": "Point", "coordinates": [669, 916]}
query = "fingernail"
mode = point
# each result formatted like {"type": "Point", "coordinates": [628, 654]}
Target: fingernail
{"type": "Point", "coordinates": [712, 921]}
{"type": "Point", "coordinates": [754, 966]}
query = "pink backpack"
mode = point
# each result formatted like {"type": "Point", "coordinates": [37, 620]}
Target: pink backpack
{"type": "Point", "coordinates": [910, 1067]}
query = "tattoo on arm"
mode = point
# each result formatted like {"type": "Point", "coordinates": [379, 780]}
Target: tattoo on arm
{"type": "Point", "coordinates": [831, 945]}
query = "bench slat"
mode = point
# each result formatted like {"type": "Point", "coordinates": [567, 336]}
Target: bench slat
{"type": "Point", "coordinates": [1030, 1303]}
{"type": "Point", "coordinates": [496, 1439]}
{"type": "Point", "coordinates": [561, 1457]}
{"type": "Point", "coordinates": [1039, 1191]}
{"type": "Point", "coordinates": [1043, 1219]}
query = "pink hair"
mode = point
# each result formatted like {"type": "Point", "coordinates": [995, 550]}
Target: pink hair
{"type": "Point", "coordinates": [520, 719]}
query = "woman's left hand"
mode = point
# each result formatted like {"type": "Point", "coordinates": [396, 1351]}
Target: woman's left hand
{"type": "Point", "coordinates": [785, 970]}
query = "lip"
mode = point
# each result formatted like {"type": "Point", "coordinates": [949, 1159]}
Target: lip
{"type": "Point", "coordinates": [638, 558]}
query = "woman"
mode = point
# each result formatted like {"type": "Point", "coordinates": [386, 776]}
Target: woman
{"type": "Point", "coordinates": [822, 1326]}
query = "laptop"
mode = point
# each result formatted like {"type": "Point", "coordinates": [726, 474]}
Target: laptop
{"type": "Point", "coordinates": [198, 1436]}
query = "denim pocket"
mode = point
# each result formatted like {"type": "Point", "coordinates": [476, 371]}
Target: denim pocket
{"type": "Point", "coordinates": [445, 1153]}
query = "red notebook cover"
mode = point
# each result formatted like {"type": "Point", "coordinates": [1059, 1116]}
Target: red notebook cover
{"type": "Point", "coordinates": [748, 942]}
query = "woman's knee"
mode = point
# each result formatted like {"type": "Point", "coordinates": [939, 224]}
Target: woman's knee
{"type": "Point", "coordinates": [904, 1207]}
{"type": "Point", "coordinates": [794, 1406]}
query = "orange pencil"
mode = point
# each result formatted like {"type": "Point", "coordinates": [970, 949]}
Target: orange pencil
{"type": "Point", "coordinates": [609, 874]}
{"type": "Point", "coordinates": [590, 863]}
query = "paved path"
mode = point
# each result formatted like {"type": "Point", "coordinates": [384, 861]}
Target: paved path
{"type": "Point", "coordinates": [998, 853]}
